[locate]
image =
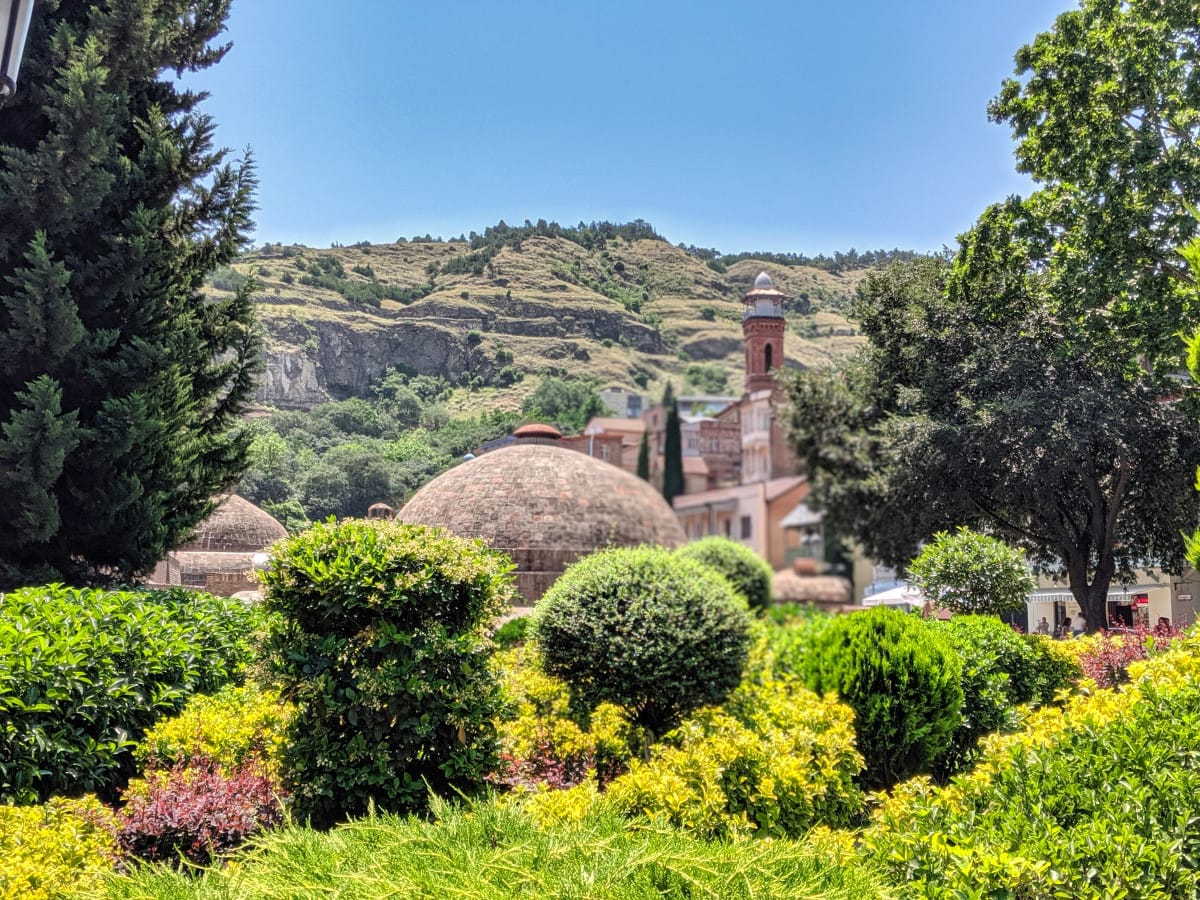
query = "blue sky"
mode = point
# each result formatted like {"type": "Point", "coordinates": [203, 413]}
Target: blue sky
{"type": "Point", "coordinates": [785, 126]}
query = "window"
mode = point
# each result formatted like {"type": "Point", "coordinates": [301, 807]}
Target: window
{"type": "Point", "coordinates": [745, 527]}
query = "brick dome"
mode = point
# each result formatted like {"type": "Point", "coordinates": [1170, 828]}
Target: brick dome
{"type": "Point", "coordinates": [236, 526]}
{"type": "Point", "coordinates": [545, 506]}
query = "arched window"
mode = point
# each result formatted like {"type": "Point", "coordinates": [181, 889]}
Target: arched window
{"type": "Point", "coordinates": [767, 357]}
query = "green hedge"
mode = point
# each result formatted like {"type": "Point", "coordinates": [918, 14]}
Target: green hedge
{"type": "Point", "coordinates": [83, 673]}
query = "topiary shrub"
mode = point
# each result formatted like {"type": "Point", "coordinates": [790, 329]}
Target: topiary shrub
{"type": "Point", "coordinates": [639, 627]}
{"type": "Point", "coordinates": [749, 573]}
{"type": "Point", "coordinates": [381, 643]}
{"type": "Point", "coordinates": [970, 572]}
{"type": "Point", "coordinates": [903, 681]}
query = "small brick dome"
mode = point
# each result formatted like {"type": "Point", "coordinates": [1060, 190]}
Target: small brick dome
{"type": "Point", "coordinates": [537, 430]}
{"type": "Point", "coordinates": [545, 506]}
{"type": "Point", "coordinates": [236, 526]}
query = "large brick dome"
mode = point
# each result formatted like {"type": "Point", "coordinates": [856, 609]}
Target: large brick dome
{"type": "Point", "coordinates": [545, 506]}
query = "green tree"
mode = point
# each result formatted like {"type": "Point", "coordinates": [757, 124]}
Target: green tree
{"type": "Point", "coordinates": [1027, 389]}
{"type": "Point", "coordinates": [968, 572]}
{"type": "Point", "coordinates": [643, 460]}
{"type": "Point", "coordinates": [672, 448]}
{"type": "Point", "coordinates": [121, 384]}
{"type": "Point", "coordinates": [568, 404]}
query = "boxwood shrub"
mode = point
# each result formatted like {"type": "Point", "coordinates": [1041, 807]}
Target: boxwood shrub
{"type": "Point", "coordinates": [381, 643]}
{"type": "Point", "coordinates": [748, 572]}
{"type": "Point", "coordinates": [655, 633]}
{"type": "Point", "coordinates": [83, 674]}
{"type": "Point", "coordinates": [902, 680]}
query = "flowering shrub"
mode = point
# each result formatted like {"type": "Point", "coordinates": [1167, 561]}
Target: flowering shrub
{"type": "Point", "coordinates": [64, 847]}
{"type": "Point", "coordinates": [196, 811]}
{"type": "Point", "coordinates": [776, 760]}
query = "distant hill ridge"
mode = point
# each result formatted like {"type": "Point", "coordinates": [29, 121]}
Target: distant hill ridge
{"type": "Point", "coordinates": [614, 302]}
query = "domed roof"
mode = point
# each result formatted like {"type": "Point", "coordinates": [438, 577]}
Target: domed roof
{"type": "Point", "coordinates": [546, 506]}
{"type": "Point", "coordinates": [537, 430]}
{"type": "Point", "coordinates": [236, 526]}
{"type": "Point", "coordinates": [763, 282]}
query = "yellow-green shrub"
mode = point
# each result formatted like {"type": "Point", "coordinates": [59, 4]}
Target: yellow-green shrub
{"type": "Point", "coordinates": [61, 847]}
{"type": "Point", "coordinates": [539, 725]}
{"type": "Point", "coordinates": [1091, 799]}
{"type": "Point", "coordinates": [776, 760]}
{"type": "Point", "coordinates": [226, 728]}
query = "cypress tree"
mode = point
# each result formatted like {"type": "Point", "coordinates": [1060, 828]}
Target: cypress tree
{"type": "Point", "coordinates": [121, 383]}
{"type": "Point", "coordinates": [643, 461]}
{"type": "Point", "coordinates": [672, 449]}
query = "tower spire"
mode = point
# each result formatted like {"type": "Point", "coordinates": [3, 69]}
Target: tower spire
{"type": "Point", "coordinates": [762, 333]}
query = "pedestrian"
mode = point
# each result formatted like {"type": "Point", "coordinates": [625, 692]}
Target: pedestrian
{"type": "Point", "coordinates": [1043, 627]}
{"type": "Point", "coordinates": [1064, 630]}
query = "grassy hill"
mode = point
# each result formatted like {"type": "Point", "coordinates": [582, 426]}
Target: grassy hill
{"type": "Point", "coordinates": [492, 317]}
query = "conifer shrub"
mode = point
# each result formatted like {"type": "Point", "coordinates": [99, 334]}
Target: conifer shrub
{"type": "Point", "coordinates": [655, 633]}
{"type": "Point", "coordinates": [83, 674]}
{"type": "Point", "coordinates": [749, 573]}
{"type": "Point", "coordinates": [903, 681]}
{"type": "Point", "coordinates": [381, 642]}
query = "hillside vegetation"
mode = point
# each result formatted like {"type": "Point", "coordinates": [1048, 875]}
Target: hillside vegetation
{"type": "Point", "coordinates": [618, 304]}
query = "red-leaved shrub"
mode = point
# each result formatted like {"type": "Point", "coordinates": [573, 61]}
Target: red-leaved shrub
{"type": "Point", "coordinates": [1108, 655]}
{"type": "Point", "coordinates": [196, 812]}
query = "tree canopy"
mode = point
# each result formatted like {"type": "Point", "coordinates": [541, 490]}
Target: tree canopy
{"type": "Point", "coordinates": [968, 572]}
{"type": "Point", "coordinates": [121, 383]}
{"type": "Point", "coordinates": [1029, 387]}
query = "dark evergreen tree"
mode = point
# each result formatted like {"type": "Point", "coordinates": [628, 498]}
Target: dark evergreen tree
{"type": "Point", "coordinates": [121, 383]}
{"type": "Point", "coordinates": [672, 448]}
{"type": "Point", "coordinates": [643, 461]}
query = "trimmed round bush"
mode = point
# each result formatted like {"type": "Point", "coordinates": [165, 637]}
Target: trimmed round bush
{"type": "Point", "coordinates": [749, 573]}
{"type": "Point", "coordinates": [652, 632]}
{"type": "Point", "coordinates": [903, 681]}
{"type": "Point", "coordinates": [381, 642]}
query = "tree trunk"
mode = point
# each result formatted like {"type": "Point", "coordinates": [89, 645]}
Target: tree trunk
{"type": "Point", "coordinates": [1093, 598]}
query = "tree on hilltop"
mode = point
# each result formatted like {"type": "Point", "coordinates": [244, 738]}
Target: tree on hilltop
{"type": "Point", "coordinates": [121, 383]}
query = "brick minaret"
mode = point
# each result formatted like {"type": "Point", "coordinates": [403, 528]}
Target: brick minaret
{"type": "Point", "coordinates": [762, 329]}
